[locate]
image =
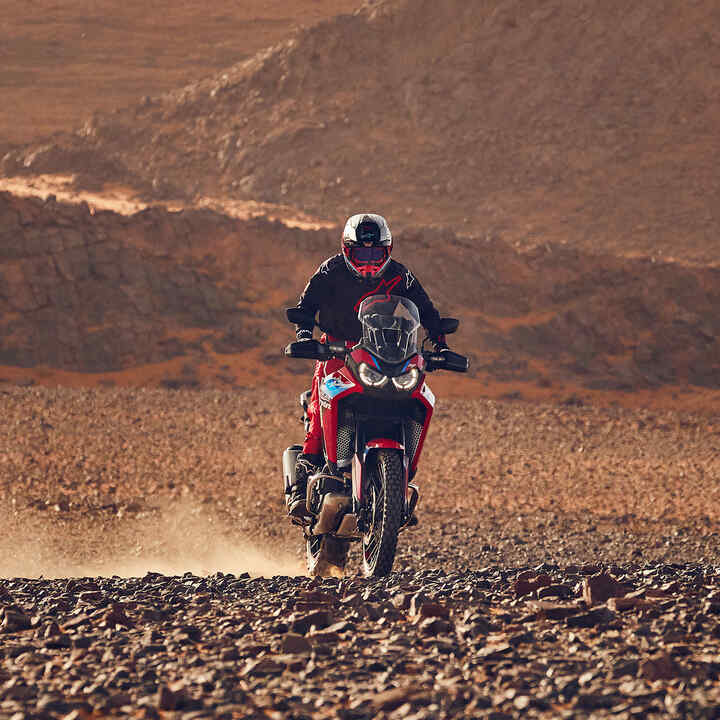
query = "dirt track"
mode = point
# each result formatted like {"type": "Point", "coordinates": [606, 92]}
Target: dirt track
{"type": "Point", "coordinates": [132, 481]}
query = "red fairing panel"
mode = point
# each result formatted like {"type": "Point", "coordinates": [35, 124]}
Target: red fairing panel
{"type": "Point", "coordinates": [382, 443]}
{"type": "Point", "coordinates": [424, 394]}
{"type": "Point", "coordinates": [359, 355]}
{"type": "Point", "coordinates": [333, 388]}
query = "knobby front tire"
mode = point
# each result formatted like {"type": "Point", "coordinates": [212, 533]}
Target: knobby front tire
{"type": "Point", "coordinates": [386, 496]}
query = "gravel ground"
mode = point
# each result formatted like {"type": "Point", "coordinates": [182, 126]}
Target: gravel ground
{"type": "Point", "coordinates": [566, 563]}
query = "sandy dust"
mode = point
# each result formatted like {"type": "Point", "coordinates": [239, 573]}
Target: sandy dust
{"type": "Point", "coordinates": [178, 538]}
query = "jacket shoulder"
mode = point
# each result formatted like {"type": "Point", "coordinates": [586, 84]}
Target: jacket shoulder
{"type": "Point", "coordinates": [396, 268]}
{"type": "Point", "coordinates": [332, 265]}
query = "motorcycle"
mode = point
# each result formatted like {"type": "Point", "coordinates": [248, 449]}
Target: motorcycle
{"type": "Point", "coordinates": [375, 412]}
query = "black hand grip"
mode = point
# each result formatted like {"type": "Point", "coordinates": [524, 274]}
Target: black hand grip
{"type": "Point", "coordinates": [446, 360]}
{"type": "Point", "coordinates": [314, 350]}
{"type": "Point", "coordinates": [449, 325]}
{"type": "Point", "coordinates": [308, 350]}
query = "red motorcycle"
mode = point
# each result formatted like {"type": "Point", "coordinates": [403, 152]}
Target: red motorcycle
{"type": "Point", "coordinates": [375, 413]}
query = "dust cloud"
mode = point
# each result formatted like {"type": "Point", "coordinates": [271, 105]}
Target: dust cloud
{"type": "Point", "coordinates": [172, 540]}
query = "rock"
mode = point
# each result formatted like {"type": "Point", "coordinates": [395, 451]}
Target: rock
{"type": "Point", "coordinates": [319, 619]}
{"type": "Point", "coordinates": [116, 616]}
{"type": "Point", "coordinates": [597, 701]}
{"type": "Point", "coordinates": [14, 621]}
{"type": "Point", "coordinates": [263, 666]}
{"type": "Point", "coordinates": [627, 603]}
{"type": "Point", "coordinates": [435, 626]}
{"type": "Point", "coordinates": [599, 616]}
{"type": "Point", "coordinates": [527, 582]}
{"type": "Point", "coordinates": [558, 590]}
{"type": "Point", "coordinates": [659, 667]}
{"type": "Point", "coordinates": [543, 609]}
{"type": "Point", "coordinates": [172, 697]}
{"type": "Point", "coordinates": [494, 652]}
{"type": "Point", "coordinates": [294, 643]}
{"type": "Point", "coordinates": [390, 700]}
{"type": "Point", "coordinates": [598, 588]}
{"type": "Point", "coordinates": [428, 609]}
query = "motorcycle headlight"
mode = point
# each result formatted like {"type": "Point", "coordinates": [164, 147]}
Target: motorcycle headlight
{"type": "Point", "coordinates": [408, 380]}
{"type": "Point", "coordinates": [371, 377]}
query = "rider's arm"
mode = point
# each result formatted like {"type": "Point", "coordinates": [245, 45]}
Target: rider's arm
{"type": "Point", "coordinates": [429, 316]}
{"type": "Point", "coordinates": [310, 302]}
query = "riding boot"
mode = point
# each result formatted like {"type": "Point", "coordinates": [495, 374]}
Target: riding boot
{"type": "Point", "coordinates": [305, 466]}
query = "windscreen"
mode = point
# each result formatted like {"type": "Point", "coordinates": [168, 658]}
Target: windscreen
{"type": "Point", "coordinates": [390, 326]}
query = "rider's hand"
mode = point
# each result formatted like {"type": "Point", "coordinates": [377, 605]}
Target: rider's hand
{"type": "Point", "coordinates": [303, 335]}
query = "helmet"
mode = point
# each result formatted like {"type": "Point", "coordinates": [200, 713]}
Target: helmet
{"type": "Point", "coordinates": [366, 245]}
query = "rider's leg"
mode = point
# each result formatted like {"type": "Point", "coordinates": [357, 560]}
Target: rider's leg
{"type": "Point", "coordinates": [309, 460]}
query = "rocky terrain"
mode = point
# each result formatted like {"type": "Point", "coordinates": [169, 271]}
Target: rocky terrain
{"type": "Point", "coordinates": [547, 642]}
{"type": "Point", "coordinates": [548, 172]}
{"type": "Point", "coordinates": [196, 298]}
{"type": "Point", "coordinates": [590, 124]}
{"type": "Point", "coordinates": [566, 563]}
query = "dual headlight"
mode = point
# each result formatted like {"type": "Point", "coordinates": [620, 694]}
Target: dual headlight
{"type": "Point", "coordinates": [374, 379]}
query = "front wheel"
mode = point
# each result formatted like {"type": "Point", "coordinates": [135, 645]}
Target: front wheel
{"type": "Point", "coordinates": [386, 500]}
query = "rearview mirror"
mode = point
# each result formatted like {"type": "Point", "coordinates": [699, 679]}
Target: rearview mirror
{"type": "Point", "coordinates": [448, 325]}
{"type": "Point", "coordinates": [300, 317]}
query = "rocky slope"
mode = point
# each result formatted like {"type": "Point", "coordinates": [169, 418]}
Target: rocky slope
{"type": "Point", "coordinates": [592, 125]}
{"type": "Point", "coordinates": [102, 293]}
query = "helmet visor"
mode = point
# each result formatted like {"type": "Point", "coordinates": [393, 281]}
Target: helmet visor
{"type": "Point", "coordinates": [368, 255]}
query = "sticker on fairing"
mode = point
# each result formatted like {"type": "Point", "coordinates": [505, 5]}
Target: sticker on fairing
{"type": "Point", "coordinates": [427, 393]}
{"type": "Point", "coordinates": [333, 386]}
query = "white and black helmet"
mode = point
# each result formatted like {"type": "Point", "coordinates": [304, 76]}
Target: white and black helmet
{"type": "Point", "coordinates": [367, 245]}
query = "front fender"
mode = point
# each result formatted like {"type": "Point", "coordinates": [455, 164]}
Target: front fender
{"type": "Point", "coordinates": [358, 466]}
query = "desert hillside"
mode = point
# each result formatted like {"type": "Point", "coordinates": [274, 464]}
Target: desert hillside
{"type": "Point", "coordinates": [196, 297]}
{"type": "Point", "coordinates": [588, 124]}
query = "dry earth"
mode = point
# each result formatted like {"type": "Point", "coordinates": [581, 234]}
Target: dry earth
{"type": "Point", "coordinates": [62, 61]}
{"type": "Point", "coordinates": [566, 563]}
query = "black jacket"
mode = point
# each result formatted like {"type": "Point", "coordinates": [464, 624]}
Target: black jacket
{"type": "Point", "coordinates": [336, 293]}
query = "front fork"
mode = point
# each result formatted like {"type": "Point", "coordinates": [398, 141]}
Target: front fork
{"type": "Point", "coordinates": [359, 476]}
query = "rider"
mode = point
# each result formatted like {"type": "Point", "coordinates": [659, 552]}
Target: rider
{"type": "Point", "coordinates": [362, 268]}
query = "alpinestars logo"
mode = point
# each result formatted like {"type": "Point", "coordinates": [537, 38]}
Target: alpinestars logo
{"type": "Point", "coordinates": [385, 287]}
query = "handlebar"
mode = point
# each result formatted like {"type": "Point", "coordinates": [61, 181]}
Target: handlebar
{"type": "Point", "coordinates": [315, 350]}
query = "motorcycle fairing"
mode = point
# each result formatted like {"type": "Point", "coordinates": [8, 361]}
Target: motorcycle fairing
{"type": "Point", "coordinates": [378, 443]}
{"type": "Point", "coordinates": [424, 394]}
{"type": "Point", "coordinates": [333, 388]}
{"type": "Point", "coordinates": [360, 355]}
